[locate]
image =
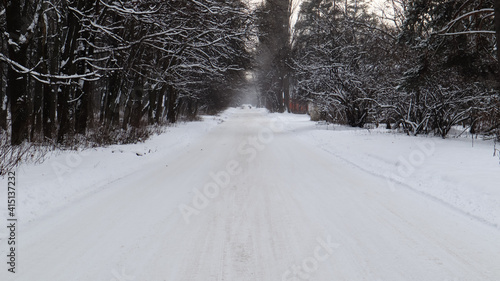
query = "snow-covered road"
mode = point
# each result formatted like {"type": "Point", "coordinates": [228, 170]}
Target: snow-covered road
{"type": "Point", "coordinates": [252, 201]}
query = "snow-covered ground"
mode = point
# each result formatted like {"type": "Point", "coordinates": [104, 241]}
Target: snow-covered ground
{"type": "Point", "coordinates": [70, 175]}
{"type": "Point", "coordinates": [459, 172]}
{"type": "Point", "coordinates": [255, 196]}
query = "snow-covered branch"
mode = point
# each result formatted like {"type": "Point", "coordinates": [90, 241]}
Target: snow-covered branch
{"type": "Point", "coordinates": [47, 78]}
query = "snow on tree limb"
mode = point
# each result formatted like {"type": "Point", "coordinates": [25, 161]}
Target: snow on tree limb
{"type": "Point", "coordinates": [47, 78]}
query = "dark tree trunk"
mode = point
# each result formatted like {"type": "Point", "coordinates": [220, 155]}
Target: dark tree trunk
{"type": "Point", "coordinates": [82, 109]}
{"type": "Point", "coordinates": [192, 109]}
{"type": "Point", "coordinates": [69, 68]}
{"type": "Point", "coordinates": [3, 96]}
{"type": "Point", "coordinates": [91, 106]}
{"type": "Point", "coordinates": [63, 114]}
{"type": "Point", "coordinates": [16, 82]}
{"type": "Point", "coordinates": [16, 90]}
{"type": "Point", "coordinates": [111, 114]}
{"type": "Point", "coordinates": [278, 107]}
{"type": "Point", "coordinates": [286, 93]}
{"type": "Point", "coordinates": [126, 113]}
{"type": "Point", "coordinates": [3, 112]}
{"type": "Point", "coordinates": [3, 99]}
{"type": "Point", "coordinates": [159, 106]}
{"type": "Point", "coordinates": [152, 105]}
{"type": "Point", "coordinates": [172, 105]}
{"type": "Point", "coordinates": [51, 62]}
{"type": "Point", "coordinates": [84, 104]}
{"type": "Point", "coordinates": [103, 103]}
{"type": "Point", "coordinates": [497, 29]}
{"type": "Point", "coordinates": [136, 109]}
{"type": "Point", "coordinates": [36, 120]}
{"type": "Point", "coordinates": [49, 111]}
{"type": "Point", "coordinates": [37, 117]}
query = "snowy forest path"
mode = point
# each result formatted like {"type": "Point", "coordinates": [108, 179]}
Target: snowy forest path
{"type": "Point", "coordinates": [251, 201]}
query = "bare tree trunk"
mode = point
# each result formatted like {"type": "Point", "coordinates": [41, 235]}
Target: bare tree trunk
{"type": "Point", "coordinates": [84, 104]}
{"type": "Point", "coordinates": [82, 109]}
{"type": "Point", "coordinates": [126, 113]}
{"type": "Point", "coordinates": [3, 110]}
{"type": "Point", "coordinates": [497, 29]}
{"type": "Point", "coordinates": [172, 104]}
{"type": "Point", "coordinates": [191, 109]}
{"type": "Point", "coordinates": [36, 118]}
{"type": "Point", "coordinates": [63, 114]}
{"type": "Point", "coordinates": [69, 68]}
{"type": "Point", "coordinates": [49, 111]}
{"type": "Point", "coordinates": [17, 82]}
{"type": "Point", "coordinates": [48, 97]}
{"type": "Point", "coordinates": [159, 106]}
{"type": "Point", "coordinates": [286, 89]}
{"type": "Point", "coordinates": [136, 109]}
{"type": "Point", "coordinates": [3, 99]}
{"type": "Point", "coordinates": [51, 63]}
{"type": "Point", "coordinates": [152, 105]}
{"type": "Point", "coordinates": [111, 107]}
{"type": "Point", "coordinates": [3, 96]}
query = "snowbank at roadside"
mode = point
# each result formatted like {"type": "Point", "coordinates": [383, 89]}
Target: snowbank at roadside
{"type": "Point", "coordinates": [67, 176]}
{"type": "Point", "coordinates": [463, 176]}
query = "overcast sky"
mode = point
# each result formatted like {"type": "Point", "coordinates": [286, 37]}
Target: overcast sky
{"type": "Point", "coordinates": [376, 5]}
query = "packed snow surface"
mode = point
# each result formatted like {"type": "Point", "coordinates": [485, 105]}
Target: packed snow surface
{"type": "Point", "coordinates": [249, 195]}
